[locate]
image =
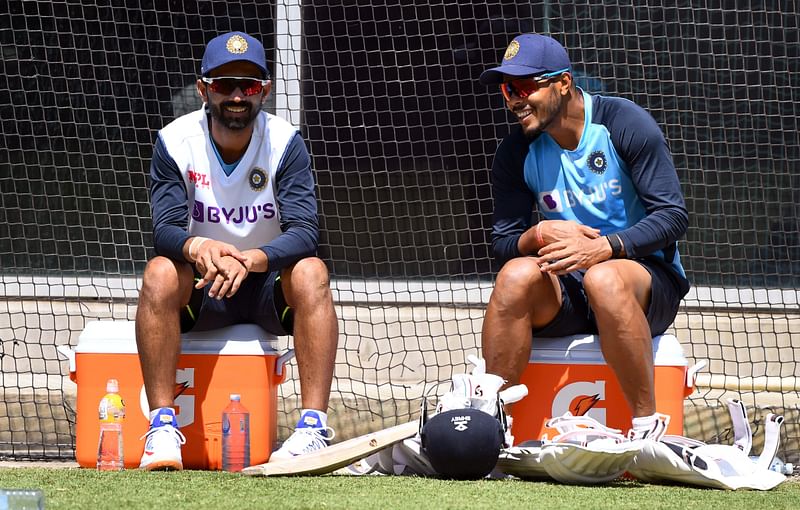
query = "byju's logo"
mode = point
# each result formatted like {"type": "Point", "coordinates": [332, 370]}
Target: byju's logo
{"type": "Point", "coordinates": [202, 213]}
{"type": "Point", "coordinates": [198, 212]}
{"type": "Point", "coordinates": [551, 201]}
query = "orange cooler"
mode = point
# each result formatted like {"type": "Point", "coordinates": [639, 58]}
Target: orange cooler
{"type": "Point", "coordinates": [212, 366]}
{"type": "Point", "coordinates": [570, 374]}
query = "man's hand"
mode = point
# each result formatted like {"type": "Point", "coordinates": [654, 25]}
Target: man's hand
{"type": "Point", "coordinates": [549, 231]}
{"type": "Point", "coordinates": [229, 276]}
{"type": "Point", "coordinates": [561, 230]}
{"type": "Point", "coordinates": [562, 257]}
{"type": "Point", "coordinates": [208, 259]}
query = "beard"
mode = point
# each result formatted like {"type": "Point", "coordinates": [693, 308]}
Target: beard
{"type": "Point", "coordinates": [545, 114]}
{"type": "Point", "coordinates": [233, 122]}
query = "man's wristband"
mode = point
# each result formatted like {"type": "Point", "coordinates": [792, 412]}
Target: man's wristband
{"type": "Point", "coordinates": [199, 241]}
{"type": "Point", "coordinates": [539, 239]}
{"type": "Point", "coordinates": [616, 246]}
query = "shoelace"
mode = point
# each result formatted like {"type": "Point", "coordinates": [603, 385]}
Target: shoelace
{"type": "Point", "coordinates": [317, 440]}
{"type": "Point", "coordinates": [166, 428]}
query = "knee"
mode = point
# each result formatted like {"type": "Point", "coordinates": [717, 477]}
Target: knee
{"type": "Point", "coordinates": [310, 281]}
{"type": "Point", "coordinates": [161, 281]}
{"type": "Point", "coordinates": [518, 282]}
{"type": "Point", "coordinates": [604, 285]}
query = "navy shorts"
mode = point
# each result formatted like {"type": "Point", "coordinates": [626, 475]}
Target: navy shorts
{"type": "Point", "coordinates": [576, 317]}
{"type": "Point", "coordinates": [259, 300]}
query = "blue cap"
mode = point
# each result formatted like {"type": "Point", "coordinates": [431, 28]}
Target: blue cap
{"type": "Point", "coordinates": [463, 444]}
{"type": "Point", "coordinates": [233, 47]}
{"type": "Point", "coordinates": [526, 55]}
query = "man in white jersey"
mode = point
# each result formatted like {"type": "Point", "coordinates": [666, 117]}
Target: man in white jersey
{"type": "Point", "coordinates": [604, 259]}
{"type": "Point", "coordinates": [235, 232]}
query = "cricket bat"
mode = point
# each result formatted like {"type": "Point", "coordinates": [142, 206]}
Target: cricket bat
{"type": "Point", "coordinates": [337, 456]}
{"type": "Point", "coordinates": [328, 460]}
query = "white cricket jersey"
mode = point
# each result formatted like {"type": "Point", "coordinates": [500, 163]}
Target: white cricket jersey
{"type": "Point", "coordinates": [240, 208]}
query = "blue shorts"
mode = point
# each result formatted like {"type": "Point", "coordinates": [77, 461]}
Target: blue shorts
{"type": "Point", "coordinates": [576, 316]}
{"type": "Point", "coordinates": [259, 300]}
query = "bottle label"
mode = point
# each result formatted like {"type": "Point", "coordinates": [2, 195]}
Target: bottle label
{"type": "Point", "coordinates": [112, 408]}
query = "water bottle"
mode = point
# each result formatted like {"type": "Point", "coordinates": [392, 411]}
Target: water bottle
{"type": "Point", "coordinates": [235, 436]}
{"type": "Point", "coordinates": [21, 499]}
{"type": "Point", "coordinates": [112, 412]}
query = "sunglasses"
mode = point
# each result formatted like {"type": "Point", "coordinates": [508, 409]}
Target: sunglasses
{"type": "Point", "coordinates": [227, 84]}
{"type": "Point", "coordinates": [524, 87]}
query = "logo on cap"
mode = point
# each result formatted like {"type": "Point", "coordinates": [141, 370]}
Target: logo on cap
{"type": "Point", "coordinates": [511, 51]}
{"type": "Point", "coordinates": [236, 45]}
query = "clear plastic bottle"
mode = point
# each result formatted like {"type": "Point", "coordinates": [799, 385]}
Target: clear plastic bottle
{"type": "Point", "coordinates": [21, 499]}
{"type": "Point", "coordinates": [110, 455]}
{"type": "Point", "coordinates": [235, 435]}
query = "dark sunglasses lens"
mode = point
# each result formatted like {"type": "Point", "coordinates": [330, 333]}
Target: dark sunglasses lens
{"type": "Point", "coordinates": [227, 86]}
{"type": "Point", "coordinates": [506, 90]}
{"type": "Point", "coordinates": [524, 88]}
{"type": "Point", "coordinates": [251, 87]}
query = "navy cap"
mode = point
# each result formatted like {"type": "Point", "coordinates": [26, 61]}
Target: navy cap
{"type": "Point", "coordinates": [528, 54]}
{"type": "Point", "coordinates": [232, 47]}
{"type": "Point", "coordinates": [463, 444]}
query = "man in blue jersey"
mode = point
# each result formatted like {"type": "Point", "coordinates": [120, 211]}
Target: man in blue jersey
{"type": "Point", "coordinates": [235, 231]}
{"type": "Point", "coordinates": [604, 258]}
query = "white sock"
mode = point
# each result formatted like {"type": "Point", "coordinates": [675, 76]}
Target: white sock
{"type": "Point", "coordinates": [644, 423]}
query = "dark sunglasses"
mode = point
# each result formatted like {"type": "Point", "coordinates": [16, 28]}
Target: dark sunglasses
{"type": "Point", "coordinates": [227, 84]}
{"type": "Point", "coordinates": [524, 87]}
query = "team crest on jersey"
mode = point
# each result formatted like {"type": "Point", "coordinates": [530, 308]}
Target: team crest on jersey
{"type": "Point", "coordinates": [511, 51]}
{"type": "Point", "coordinates": [597, 162]}
{"type": "Point", "coordinates": [236, 45]}
{"type": "Point", "coordinates": [258, 179]}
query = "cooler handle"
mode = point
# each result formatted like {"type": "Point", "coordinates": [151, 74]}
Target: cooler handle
{"type": "Point", "coordinates": [69, 354]}
{"type": "Point", "coordinates": [282, 360]}
{"type": "Point", "coordinates": [691, 376]}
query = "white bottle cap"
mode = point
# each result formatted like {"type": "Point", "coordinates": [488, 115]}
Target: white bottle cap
{"type": "Point", "coordinates": [112, 386]}
{"type": "Point", "coordinates": [236, 397]}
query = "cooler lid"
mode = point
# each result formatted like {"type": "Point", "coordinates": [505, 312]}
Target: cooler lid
{"type": "Point", "coordinates": [120, 337]}
{"type": "Point", "coordinates": [585, 349]}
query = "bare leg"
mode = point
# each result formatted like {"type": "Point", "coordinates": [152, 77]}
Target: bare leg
{"type": "Point", "coordinates": [306, 287]}
{"type": "Point", "coordinates": [523, 298]}
{"type": "Point", "coordinates": [166, 288]}
{"type": "Point", "coordinates": [619, 293]}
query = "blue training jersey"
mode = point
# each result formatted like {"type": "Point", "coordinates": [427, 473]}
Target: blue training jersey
{"type": "Point", "coordinates": [619, 179]}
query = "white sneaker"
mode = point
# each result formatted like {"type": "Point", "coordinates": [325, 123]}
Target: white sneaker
{"type": "Point", "coordinates": [304, 440]}
{"type": "Point", "coordinates": [162, 450]}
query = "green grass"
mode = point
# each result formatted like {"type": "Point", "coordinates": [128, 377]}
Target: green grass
{"type": "Point", "coordinates": [89, 489]}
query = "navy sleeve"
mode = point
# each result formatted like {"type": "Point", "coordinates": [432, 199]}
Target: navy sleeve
{"type": "Point", "coordinates": [640, 142]}
{"type": "Point", "coordinates": [297, 203]}
{"type": "Point", "coordinates": [513, 200]}
{"type": "Point", "coordinates": [169, 204]}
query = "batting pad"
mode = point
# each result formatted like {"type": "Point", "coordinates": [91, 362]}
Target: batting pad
{"type": "Point", "coordinates": [585, 452]}
{"type": "Point", "coordinates": [523, 461]}
{"type": "Point", "coordinates": [684, 460]}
